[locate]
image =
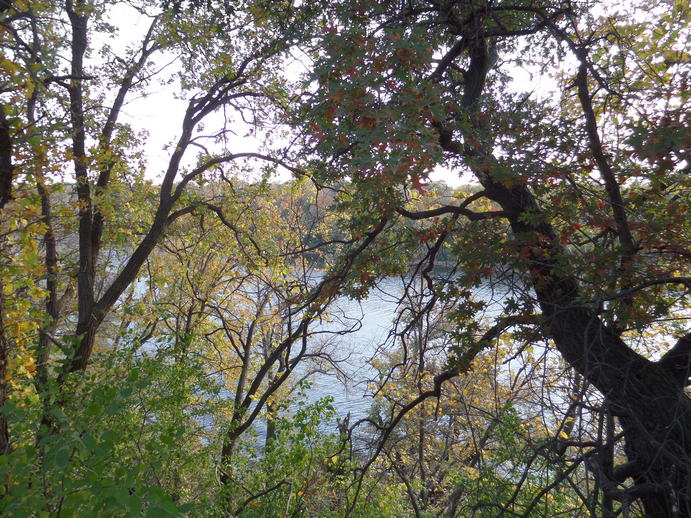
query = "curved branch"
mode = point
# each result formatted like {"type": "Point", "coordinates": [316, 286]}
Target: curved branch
{"type": "Point", "coordinates": [605, 168]}
{"type": "Point", "coordinates": [449, 57]}
{"type": "Point", "coordinates": [678, 360]}
{"type": "Point", "coordinates": [458, 366]}
{"type": "Point", "coordinates": [205, 166]}
{"type": "Point", "coordinates": [6, 167]}
{"type": "Point", "coordinates": [686, 281]}
{"type": "Point", "coordinates": [451, 209]}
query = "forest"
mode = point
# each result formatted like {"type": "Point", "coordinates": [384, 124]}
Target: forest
{"type": "Point", "coordinates": [345, 258]}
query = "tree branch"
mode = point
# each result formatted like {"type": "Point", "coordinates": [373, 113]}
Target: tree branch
{"type": "Point", "coordinates": [686, 281]}
{"type": "Point", "coordinates": [6, 167]}
{"type": "Point", "coordinates": [603, 165]}
{"type": "Point", "coordinates": [678, 360]}
{"type": "Point", "coordinates": [451, 209]}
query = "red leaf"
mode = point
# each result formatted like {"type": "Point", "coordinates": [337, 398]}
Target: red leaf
{"type": "Point", "coordinates": [419, 184]}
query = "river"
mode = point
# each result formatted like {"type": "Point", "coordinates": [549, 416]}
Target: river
{"type": "Point", "coordinates": [376, 314]}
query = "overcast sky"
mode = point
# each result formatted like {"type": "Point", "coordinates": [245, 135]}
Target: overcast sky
{"type": "Point", "coordinates": [160, 113]}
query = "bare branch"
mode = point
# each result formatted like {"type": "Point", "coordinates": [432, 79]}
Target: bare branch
{"type": "Point", "coordinates": [451, 209]}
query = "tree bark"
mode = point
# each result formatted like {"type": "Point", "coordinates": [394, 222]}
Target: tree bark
{"type": "Point", "coordinates": [6, 168]}
{"type": "Point", "coordinates": [4, 362]}
{"type": "Point", "coordinates": [653, 409]}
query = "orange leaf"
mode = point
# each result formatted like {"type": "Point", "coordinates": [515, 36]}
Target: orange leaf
{"type": "Point", "coordinates": [419, 184]}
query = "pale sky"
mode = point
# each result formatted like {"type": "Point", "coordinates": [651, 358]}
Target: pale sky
{"type": "Point", "coordinates": [160, 114]}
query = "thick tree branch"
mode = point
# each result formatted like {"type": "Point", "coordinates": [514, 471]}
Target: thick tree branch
{"type": "Point", "coordinates": [603, 165]}
{"type": "Point", "coordinates": [678, 360]}
{"type": "Point", "coordinates": [454, 52]}
{"type": "Point", "coordinates": [686, 281]}
{"type": "Point", "coordinates": [654, 411]}
{"type": "Point", "coordinates": [450, 209]}
{"type": "Point", "coordinates": [86, 274]}
{"type": "Point", "coordinates": [6, 167]}
{"type": "Point", "coordinates": [105, 140]}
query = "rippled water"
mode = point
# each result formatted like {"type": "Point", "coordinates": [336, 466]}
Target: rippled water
{"type": "Point", "coordinates": [372, 319]}
{"type": "Point", "coordinates": [376, 314]}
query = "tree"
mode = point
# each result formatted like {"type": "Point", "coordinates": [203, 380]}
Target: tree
{"type": "Point", "coordinates": [49, 69]}
{"type": "Point", "coordinates": [244, 306]}
{"type": "Point", "coordinates": [587, 188]}
{"type": "Point", "coordinates": [77, 178]}
{"type": "Point", "coordinates": [578, 212]}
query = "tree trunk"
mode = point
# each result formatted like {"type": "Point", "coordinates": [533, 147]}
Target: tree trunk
{"type": "Point", "coordinates": [270, 426]}
{"type": "Point", "coordinates": [648, 397]}
{"type": "Point", "coordinates": [652, 406]}
{"type": "Point", "coordinates": [4, 362]}
{"type": "Point", "coordinates": [6, 168]}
